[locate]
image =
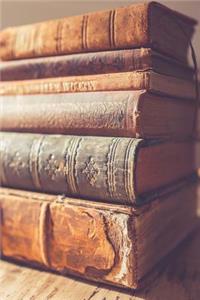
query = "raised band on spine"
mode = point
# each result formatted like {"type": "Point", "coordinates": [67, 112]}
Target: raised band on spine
{"type": "Point", "coordinates": [43, 233]}
{"type": "Point", "coordinates": [34, 161]}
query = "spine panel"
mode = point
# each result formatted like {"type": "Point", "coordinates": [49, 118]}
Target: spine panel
{"type": "Point", "coordinates": [78, 64]}
{"type": "Point", "coordinates": [88, 83]}
{"type": "Point", "coordinates": [106, 113]}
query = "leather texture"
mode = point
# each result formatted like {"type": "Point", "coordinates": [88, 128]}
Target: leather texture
{"type": "Point", "coordinates": [89, 167]}
{"type": "Point", "coordinates": [109, 169]}
{"type": "Point", "coordinates": [146, 80]}
{"type": "Point", "coordinates": [144, 24]}
{"type": "Point", "coordinates": [93, 63]}
{"type": "Point", "coordinates": [103, 243]}
{"type": "Point", "coordinates": [124, 113]}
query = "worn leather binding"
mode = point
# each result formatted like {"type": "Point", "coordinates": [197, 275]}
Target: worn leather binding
{"type": "Point", "coordinates": [124, 113]}
{"type": "Point", "coordinates": [147, 80]}
{"type": "Point", "coordinates": [93, 63]}
{"type": "Point", "coordinates": [111, 169]}
{"type": "Point", "coordinates": [146, 25]}
{"type": "Point", "coordinates": [100, 242]}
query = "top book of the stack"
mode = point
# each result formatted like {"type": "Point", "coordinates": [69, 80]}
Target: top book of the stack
{"type": "Point", "coordinates": [139, 25]}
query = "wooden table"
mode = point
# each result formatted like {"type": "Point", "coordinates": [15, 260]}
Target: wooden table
{"type": "Point", "coordinates": [177, 278]}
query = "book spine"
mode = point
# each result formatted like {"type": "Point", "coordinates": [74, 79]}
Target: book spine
{"type": "Point", "coordinates": [120, 114]}
{"type": "Point", "coordinates": [91, 32]}
{"type": "Point", "coordinates": [60, 235]}
{"type": "Point", "coordinates": [78, 64]}
{"type": "Point", "coordinates": [87, 83]}
{"type": "Point", "coordinates": [105, 113]}
{"type": "Point", "coordinates": [125, 81]}
{"type": "Point", "coordinates": [88, 167]}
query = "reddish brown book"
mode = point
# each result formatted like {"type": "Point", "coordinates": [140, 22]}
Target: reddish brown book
{"type": "Point", "coordinates": [106, 243]}
{"type": "Point", "coordinates": [138, 25]}
{"type": "Point", "coordinates": [94, 63]}
{"type": "Point", "coordinates": [147, 80]}
{"type": "Point", "coordinates": [104, 168]}
{"type": "Point", "coordinates": [124, 113]}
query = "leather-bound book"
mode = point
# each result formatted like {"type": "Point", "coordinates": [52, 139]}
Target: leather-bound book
{"type": "Point", "coordinates": [114, 244]}
{"type": "Point", "coordinates": [124, 113]}
{"type": "Point", "coordinates": [138, 25]}
{"type": "Point", "coordinates": [94, 63]}
{"type": "Point", "coordinates": [136, 80]}
{"type": "Point", "coordinates": [109, 169]}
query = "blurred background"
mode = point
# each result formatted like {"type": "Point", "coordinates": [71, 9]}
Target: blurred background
{"type": "Point", "coordinates": [29, 11]}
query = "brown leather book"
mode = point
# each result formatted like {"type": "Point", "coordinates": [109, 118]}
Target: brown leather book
{"type": "Point", "coordinates": [137, 80]}
{"type": "Point", "coordinates": [124, 113]}
{"type": "Point", "coordinates": [114, 244]}
{"type": "Point", "coordinates": [109, 169]}
{"type": "Point", "coordinates": [93, 63]}
{"type": "Point", "coordinates": [138, 25]}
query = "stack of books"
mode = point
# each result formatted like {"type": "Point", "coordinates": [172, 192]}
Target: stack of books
{"type": "Point", "coordinates": [97, 157]}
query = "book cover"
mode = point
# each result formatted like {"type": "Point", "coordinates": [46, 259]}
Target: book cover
{"type": "Point", "coordinates": [113, 244]}
{"type": "Point", "coordinates": [109, 169]}
{"type": "Point", "coordinates": [146, 25]}
{"type": "Point", "coordinates": [146, 80]}
{"type": "Point", "coordinates": [101, 62]}
{"type": "Point", "coordinates": [124, 113]}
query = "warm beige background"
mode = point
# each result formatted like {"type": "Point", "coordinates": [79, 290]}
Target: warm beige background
{"type": "Point", "coordinates": [28, 11]}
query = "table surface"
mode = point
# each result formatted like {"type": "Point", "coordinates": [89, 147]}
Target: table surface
{"type": "Point", "coordinates": [177, 278]}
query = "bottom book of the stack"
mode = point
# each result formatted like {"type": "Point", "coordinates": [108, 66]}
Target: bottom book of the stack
{"type": "Point", "coordinates": [102, 242]}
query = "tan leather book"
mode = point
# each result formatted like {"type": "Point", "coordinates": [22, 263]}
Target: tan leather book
{"type": "Point", "coordinates": [94, 63]}
{"type": "Point", "coordinates": [138, 25]}
{"type": "Point", "coordinates": [106, 243]}
{"type": "Point", "coordinates": [110, 169]}
{"type": "Point", "coordinates": [147, 80]}
{"type": "Point", "coordinates": [122, 113]}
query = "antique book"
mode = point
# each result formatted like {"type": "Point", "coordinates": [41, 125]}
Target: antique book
{"type": "Point", "coordinates": [94, 63]}
{"type": "Point", "coordinates": [138, 25]}
{"type": "Point", "coordinates": [107, 243]}
{"type": "Point", "coordinates": [102, 168]}
{"type": "Point", "coordinates": [136, 80]}
{"type": "Point", "coordinates": [124, 113]}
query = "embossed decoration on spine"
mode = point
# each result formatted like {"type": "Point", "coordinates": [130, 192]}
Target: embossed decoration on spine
{"type": "Point", "coordinates": [16, 164]}
{"type": "Point", "coordinates": [54, 168]}
{"type": "Point", "coordinates": [89, 167]}
{"type": "Point", "coordinates": [91, 171]}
